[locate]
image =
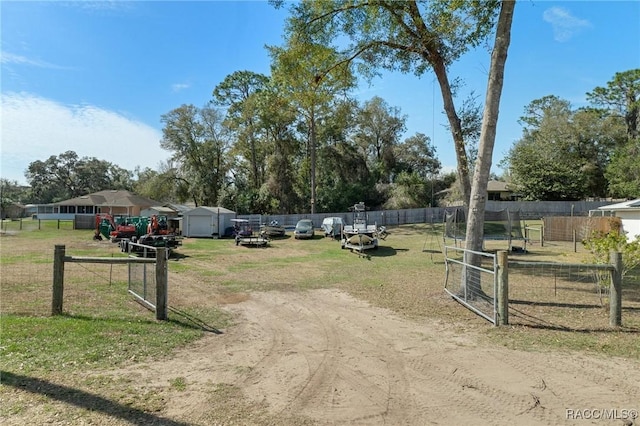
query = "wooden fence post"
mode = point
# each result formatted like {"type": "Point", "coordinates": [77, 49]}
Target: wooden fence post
{"type": "Point", "coordinates": [615, 290]}
{"type": "Point", "coordinates": [502, 296]}
{"type": "Point", "coordinates": [161, 284]}
{"type": "Point", "coordinates": [58, 279]}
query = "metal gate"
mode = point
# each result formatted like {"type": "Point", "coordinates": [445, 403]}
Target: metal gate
{"type": "Point", "coordinates": [148, 281]}
{"type": "Point", "coordinates": [471, 279]}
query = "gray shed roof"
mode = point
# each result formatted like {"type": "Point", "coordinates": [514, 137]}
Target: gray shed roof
{"type": "Point", "coordinates": [626, 205]}
{"type": "Point", "coordinates": [204, 210]}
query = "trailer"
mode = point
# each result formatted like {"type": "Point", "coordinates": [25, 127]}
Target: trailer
{"type": "Point", "coordinates": [360, 236]}
{"type": "Point", "coordinates": [243, 235]}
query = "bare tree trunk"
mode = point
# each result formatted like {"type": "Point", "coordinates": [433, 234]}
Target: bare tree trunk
{"type": "Point", "coordinates": [312, 148]}
{"type": "Point", "coordinates": [456, 129]}
{"type": "Point", "coordinates": [478, 200]}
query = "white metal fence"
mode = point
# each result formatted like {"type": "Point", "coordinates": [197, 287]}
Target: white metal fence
{"type": "Point", "coordinates": [471, 280]}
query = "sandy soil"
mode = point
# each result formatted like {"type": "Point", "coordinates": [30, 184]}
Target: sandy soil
{"type": "Point", "coordinates": [324, 357]}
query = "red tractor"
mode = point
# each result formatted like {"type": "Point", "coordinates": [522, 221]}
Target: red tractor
{"type": "Point", "coordinates": [105, 225]}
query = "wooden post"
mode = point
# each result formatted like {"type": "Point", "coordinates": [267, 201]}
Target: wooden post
{"type": "Point", "coordinates": [502, 296]}
{"type": "Point", "coordinates": [58, 279]}
{"type": "Point", "coordinates": [615, 290]}
{"type": "Point", "coordinates": [161, 284]}
{"type": "Point", "coordinates": [575, 241]}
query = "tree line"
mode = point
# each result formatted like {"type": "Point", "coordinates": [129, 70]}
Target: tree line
{"type": "Point", "coordinates": [251, 156]}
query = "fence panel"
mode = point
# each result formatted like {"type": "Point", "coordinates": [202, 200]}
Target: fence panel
{"type": "Point", "coordinates": [473, 284]}
{"type": "Point", "coordinates": [25, 280]}
{"type": "Point", "coordinates": [562, 228]}
{"type": "Point", "coordinates": [558, 296]}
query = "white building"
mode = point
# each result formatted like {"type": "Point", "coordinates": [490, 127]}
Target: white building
{"type": "Point", "coordinates": [629, 214]}
{"type": "Point", "coordinates": [208, 222]}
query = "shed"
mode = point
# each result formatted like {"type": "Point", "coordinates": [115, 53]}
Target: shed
{"type": "Point", "coordinates": [209, 222]}
{"type": "Point", "coordinates": [629, 214]}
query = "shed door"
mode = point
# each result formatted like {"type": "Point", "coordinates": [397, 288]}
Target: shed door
{"type": "Point", "coordinates": [200, 226]}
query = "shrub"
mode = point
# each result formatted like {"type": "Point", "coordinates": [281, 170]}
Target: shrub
{"type": "Point", "coordinates": [600, 244]}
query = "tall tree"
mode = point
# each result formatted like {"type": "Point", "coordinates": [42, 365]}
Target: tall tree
{"type": "Point", "coordinates": [238, 93]}
{"type": "Point", "coordinates": [198, 143]}
{"type": "Point", "coordinates": [417, 155]}
{"type": "Point", "coordinates": [345, 175]}
{"type": "Point", "coordinates": [378, 130]}
{"type": "Point", "coordinates": [277, 117]}
{"type": "Point", "coordinates": [415, 174]}
{"type": "Point", "coordinates": [300, 71]}
{"type": "Point", "coordinates": [621, 99]}
{"type": "Point", "coordinates": [157, 185]}
{"type": "Point", "coordinates": [482, 169]}
{"type": "Point", "coordinates": [409, 36]}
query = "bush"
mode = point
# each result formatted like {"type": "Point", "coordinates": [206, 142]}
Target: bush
{"type": "Point", "coordinates": [600, 244]}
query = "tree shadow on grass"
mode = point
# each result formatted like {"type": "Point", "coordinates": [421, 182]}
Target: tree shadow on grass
{"type": "Point", "coordinates": [184, 320]}
{"type": "Point", "coordinates": [83, 399]}
{"type": "Point", "coordinates": [193, 322]}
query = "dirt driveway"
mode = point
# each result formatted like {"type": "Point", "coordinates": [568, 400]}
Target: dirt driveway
{"type": "Point", "coordinates": [324, 357]}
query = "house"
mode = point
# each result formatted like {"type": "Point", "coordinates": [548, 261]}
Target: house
{"type": "Point", "coordinates": [114, 202]}
{"type": "Point", "coordinates": [496, 191]}
{"type": "Point", "coordinates": [208, 222]}
{"type": "Point", "coordinates": [629, 214]}
{"type": "Point", "coordinates": [500, 191]}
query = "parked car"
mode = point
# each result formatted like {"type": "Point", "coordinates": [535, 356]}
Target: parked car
{"type": "Point", "coordinates": [332, 227]}
{"type": "Point", "coordinates": [304, 229]}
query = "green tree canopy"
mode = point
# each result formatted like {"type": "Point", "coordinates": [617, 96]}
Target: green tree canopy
{"type": "Point", "coordinates": [198, 143]}
{"type": "Point", "coordinates": [65, 176]}
{"type": "Point", "coordinates": [406, 36]}
{"type": "Point", "coordinates": [563, 153]}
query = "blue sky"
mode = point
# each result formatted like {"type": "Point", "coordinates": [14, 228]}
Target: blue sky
{"type": "Point", "coordinates": [96, 76]}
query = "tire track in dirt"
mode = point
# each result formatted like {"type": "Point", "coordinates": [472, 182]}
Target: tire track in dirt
{"type": "Point", "coordinates": [459, 388]}
{"type": "Point", "coordinates": [334, 379]}
{"type": "Point", "coordinates": [333, 359]}
{"type": "Point", "coordinates": [576, 382]}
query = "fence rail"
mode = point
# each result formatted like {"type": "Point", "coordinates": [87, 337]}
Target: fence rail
{"type": "Point", "coordinates": [493, 302]}
{"type": "Point", "coordinates": [60, 258]}
{"type": "Point", "coordinates": [472, 283]}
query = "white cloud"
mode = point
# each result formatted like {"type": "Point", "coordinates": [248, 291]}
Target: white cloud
{"type": "Point", "coordinates": [12, 59]}
{"type": "Point", "coordinates": [563, 23]}
{"type": "Point", "coordinates": [35, 128]}
{"type": "Point", "coordinates": [180, 86]}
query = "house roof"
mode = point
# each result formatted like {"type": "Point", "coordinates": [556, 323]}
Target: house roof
{"type": "Point", "coordinates": [181, 208]}
{"type": "Point", "coordinates": [626, 205]}
{"type": "Point", "coordinates": [497, 186]}
{"type": "Point", "coordinates": [110, 198]}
